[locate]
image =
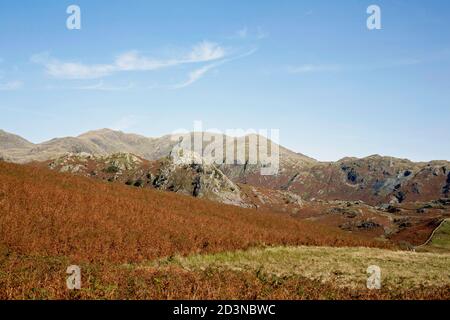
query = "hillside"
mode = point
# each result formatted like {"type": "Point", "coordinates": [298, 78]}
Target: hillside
{"type": "Point", "coordinates": [134, 243]}
{"type": "Point", "coordinates": [439, 241]}
{"type": "Point", "coordinates": [11, 141]}
{"type": "Point", "coordinates": [375, 180]}
{"type": "Point", "coordinates": [408, 224]}
{"type": "Point", "coordinates": [177, 174]}
{"type": "Point", "coordinates": [49, 213]}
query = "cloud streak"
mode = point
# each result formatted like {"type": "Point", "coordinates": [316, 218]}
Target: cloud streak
{"type": "Point", "coordinates": [128, 61]}
{"type": "Point", "coordinates": [194, 76]}
{"type": "Point", "coordinates": [197, 74]}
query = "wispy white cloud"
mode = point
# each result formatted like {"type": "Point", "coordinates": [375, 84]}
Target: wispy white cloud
{"type": "Point", "coordinates": [128, 61]}
{"type": "Point", "coordinates": [70, 70]}
{"type": "Point", "coordinates": [197, 74]}
{"type": "Point", "coordinates": [205, 51]}
{"type": "Point", "coordinates": [194, 76]}
{"type": "Point", "coordinates": [11, 85]}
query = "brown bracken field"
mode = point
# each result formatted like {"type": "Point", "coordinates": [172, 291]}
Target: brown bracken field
{"type": "Point", "coordinates": [50, 220]}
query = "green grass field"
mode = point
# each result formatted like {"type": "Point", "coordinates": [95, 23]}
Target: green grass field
{"type": "Point", "coordinates": [440, 242]}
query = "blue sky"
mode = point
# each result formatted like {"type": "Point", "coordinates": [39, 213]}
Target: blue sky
{"type": "Point", "coordinates": [309, 68]}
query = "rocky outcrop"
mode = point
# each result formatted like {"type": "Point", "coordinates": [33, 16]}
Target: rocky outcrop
{"type": "Point", "coordinates": [183, 173]}
{"type": "Point", "coordinates": [360, 225]}
{"type": "Point", "coordinates": [446, 188]}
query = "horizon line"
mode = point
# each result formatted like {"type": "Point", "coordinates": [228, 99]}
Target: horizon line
{"type": "Point", "coordinates": [235, 137]}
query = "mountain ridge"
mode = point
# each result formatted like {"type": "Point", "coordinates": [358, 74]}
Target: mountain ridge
{"type": "Point", "coordinates": [11, 141]}
{"type": "Point", "coordinates": [104, 142]}
{"type": "Point", "coordinates": [374, 179]}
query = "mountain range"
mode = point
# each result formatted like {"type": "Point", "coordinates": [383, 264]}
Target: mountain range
{"type": "Point", "coordinates": [378, 197]}
{"type": "Point", "coordinates": [374, 179]}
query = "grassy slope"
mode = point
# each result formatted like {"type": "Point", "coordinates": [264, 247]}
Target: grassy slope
{"type": "Point", "coordinates": [440, 242]}
{"type": "Point", "coordinates": [345, 267]}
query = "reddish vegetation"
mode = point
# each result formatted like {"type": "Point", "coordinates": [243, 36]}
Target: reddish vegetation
{"type": "Point", "coordinates": [52, 214]}
{"type": "Point", "coordinates": [406, 224]}
{"type": "Point", "coordinates": [106, 282]}
{"type": "Point", "coordinates": [50, 220]}
{"type": "Point", "coordinates": [417, 234]}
